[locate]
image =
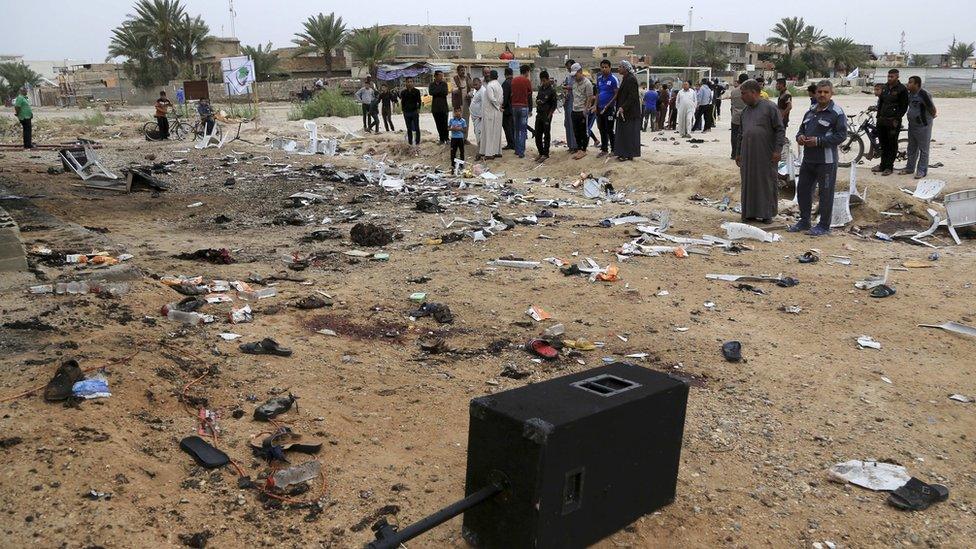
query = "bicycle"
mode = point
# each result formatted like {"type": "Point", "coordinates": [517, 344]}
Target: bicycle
{"type": "Point", "coordinates": [852, 150]}
{"type": "Point", "coordinates": [178, 128]}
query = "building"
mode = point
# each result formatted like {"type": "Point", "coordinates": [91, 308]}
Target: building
{"type": "Point", "coordinates": [651, 38]}
{"type": "Point", "coordinates": [491, 49]}
{"type": "Point", "coordinates": [613, 53]}
{"type": "Point", "coordinates": [206, 64]}
{"type": "Point", "coordinates": [868, 51]}
{"type": "Point", "coordinates": [891, 59]}
{"type": "Point", "coordinates": [762, 57]}
{"type": "Point", "coordinates": [422, 42]}
{"type": "Point", "coordinates": [929, 60]}
{"type": "Point", "coordinates": [578, 53]}
{"type": "Point", "coordinates": [310, 65]}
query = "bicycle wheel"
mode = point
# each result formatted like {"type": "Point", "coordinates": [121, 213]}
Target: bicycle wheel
{"type": "Point", "coordinates": [182, 130]}
{"type": "Point", "coordinates": [901, 159]}
{"type": "Point", "coordinates": [151, 131]}
{"type": "Point", "coordinates": [850, 151]}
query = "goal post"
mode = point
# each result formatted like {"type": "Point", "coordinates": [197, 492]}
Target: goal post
{"type": "Point", "coordinates": [670, 75]}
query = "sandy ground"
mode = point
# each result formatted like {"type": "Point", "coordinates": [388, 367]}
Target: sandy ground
{"type": "Point", "coordinates": [759, 436]}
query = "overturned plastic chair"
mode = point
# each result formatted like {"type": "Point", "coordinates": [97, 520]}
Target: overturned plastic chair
{"type": "Point", "coordinates": [960, 211]}
{"type": "Point", "coordinates": [841, 213]}
{"type": "Point", "coordinates": [86, 164]}
{"type": "Point", "coordinates": [209, 140]}
{"type": "Point", "coordinates": [926, 189]}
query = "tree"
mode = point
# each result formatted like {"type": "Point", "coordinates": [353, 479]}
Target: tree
{"type": "Point", "coordinates": [323, 35]}
{"type": "Point", "coordinates": [265, 62]}
{"type": "Point", "coordinates": [843, 54]}
{"type": "Point", "coordinates": [790, 32]}
{"type": "Point", "coordinates": [814, 62]}
{"type": "Point", "coordinates": [544, 47]}
{"type": "Point", "coordinates": [959, 52]}
{"type": "Point", "coordinates": [708, 53]}
{"type": "Point", "coordinates": [161, 20]}
{"type": "Point", "coordinates": [14, 76]}
{"type": "Point", "coordinates": [790, 66]}
{"type": "Point", "coordinates": [918, 60]}
{"type": "Point", "coordinates": [370, 47]}
{"type": "Point", "coordinates": [671, 55]}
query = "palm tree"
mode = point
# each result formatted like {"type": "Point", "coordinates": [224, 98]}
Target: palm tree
{"type": "Point", "coordinates": [544, 47]}
{"type": "Point", "coordinates": [323, 35]}
{"type": "Point", "coordinates": [191, 36]}
{"type": "Point", "coordinates": [790, 32]}
{"type": "Point", "coordinates": [812, 37]}
{"type": "Point", "coordinates": [671, 55]}
{"type": "Point", "coordinates": [370, 47]}
{"type": "Point", "coordinates": [959, 52]}
{"type": "Point", "coordinates": [843, 54]}
{"type": "Point", "coordinates": [160, 19]}
{"type": "Point", "coordinates": [265, 62]}
{"type": "Point", "coordinates": [918, 60]}
{"type": "Point", "coordinates": [708, 53]}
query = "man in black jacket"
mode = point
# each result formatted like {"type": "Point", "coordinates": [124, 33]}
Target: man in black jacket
{"type": "Point", "coordinates": [411, 102]}
{"type": "Point", "coordinates": [545, 106]}
{"type": "Point", "coordinates": [892, 105]}
{"type": "Point", "coordinates": [438, 104]}
{"type": "Point", "coordinates": [508, 121]}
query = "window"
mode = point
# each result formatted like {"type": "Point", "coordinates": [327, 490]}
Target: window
{"type": "Point", "coordinates": [449, 40]}
{"type": "Point", "coordinates": [410, 39]}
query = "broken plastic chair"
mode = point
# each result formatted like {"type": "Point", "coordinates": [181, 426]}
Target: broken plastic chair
{"type": "Point", "coordinates": [954, 327]}
{"type": "Point", "coordinates": [458, 166]}
{"type": "Point", "coordinates": [926, 189]}
{"type": "Point", "coordinates": [916, 236]}
{"type": "Point", "coordinates": [737, 231]}
{"type": "Point", "coordinates": [284, 144]}
{"type": "Point", "coordinates": [841, 213]}
{"type": "Point", "coordinates": [85, 163]}
{"type": "Point", "coordinates": [960, 211]}
{"type": "Point", "coordinates": [209, 140]}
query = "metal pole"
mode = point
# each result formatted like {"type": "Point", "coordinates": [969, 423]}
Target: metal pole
{"type": "Point", "coordinates": [119, 78]}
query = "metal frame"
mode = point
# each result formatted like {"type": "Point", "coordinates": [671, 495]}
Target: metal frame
{"type": "Point", "coordinates": [92, 166]}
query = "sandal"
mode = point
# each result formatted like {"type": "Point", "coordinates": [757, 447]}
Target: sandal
{"type": "Point", "coordinates": [882, 291]}
{"type": "Point", "coordinates": [206, 455]}
{"type": "Point", "coordinates": [59, 388]}
{"type": "Point", "coordinates": [809, 257]}
{"type": "Point", "coordinates": [266, 346]}
{"type": "Point", "coordinates": [543, 348]}
{"type": "Point", "coordinates": [732, 351]}
{"type": "Point", "coordinates": [916, 495]}
{"type": "Point", "coordinates": [787, 282]}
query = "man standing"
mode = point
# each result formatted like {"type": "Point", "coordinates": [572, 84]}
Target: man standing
{"type": "Point", "coordinates": [545, 106]}
{"type": "Point", "coordinates": [508, 124]}
{"type": "Point", "coordinates": [784, 102]}
{"type": "Point", "coordinates": [438, 105]}
{"type": "Point", "coordinates": [365, 96]}
{"type": "Point", "coordinates": [650, 102]}
{"type": "Point", "coordinates": [410, 103]}
{"type": "Point", "coordinates": [491, 118]}
{"type": "Point", "coordinates": [824, 127]}
{"type": "Point", "coordinates": [22, 109]}
{"type": "Point", "coordinates": [763, 138]}
{"type": "Point", "coordinates": [568, 107]}
{"type": "Point", "coordinates": [583, 102]}
{"type": "Point", "coordinates": [717, 91]}
{"type": "Point", "coordinates": [477, 109]}
{"type": "Point", "coordinates": [705, 107]}
{"type": "Point", "coordinates": [892, 106]}
{"type": "Point", "coordinates": [736, 106]}
{"type": "Point", "coordinates": [387, 99]}
{"type": "Point", "coordinates": [162, 107]}
{"type": "Point", "coordinates": [461, 96]}
{"type": "Point", "coordinates": [521, 100]}
{"type": "Point", "coordinates": [662, 106]}
{"type": "Point", "coordinates": [921, 115]}
{"type": "Point", "coordinates": [687, 105]}
{"type": "Point", "coordinates": [607, 88]}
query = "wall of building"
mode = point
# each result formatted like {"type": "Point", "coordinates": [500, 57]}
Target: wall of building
{"type": "Point", "coordinates": [424, 42]}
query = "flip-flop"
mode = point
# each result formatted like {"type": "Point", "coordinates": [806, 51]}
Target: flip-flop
{"type": "Point", "coordinates": [809, 257]}
{"type": "Point", "coordinates": [266, 346]}
{"type": "Point", "coordinates": [313, 302]}
{"type": "Point", "coordinates": [916, 495]}
{"type": "Point", "coordinates": [732, 351]}
{"type": "Point", "coordinates": [882, 291]}
{"type": "Point", "coordinates": [59, 388]}
{"type": "Point", "coordinates": [787, 282]}
{"type": "Point", "coordinates": [274, 407]}
{"type": "Point", "coordinates": [543, 348]}
{"type": "Point", "coordinates": [206, 455]}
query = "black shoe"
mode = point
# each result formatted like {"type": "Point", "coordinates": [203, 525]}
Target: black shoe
{"type": "Point", "coordinates": [59, 388]}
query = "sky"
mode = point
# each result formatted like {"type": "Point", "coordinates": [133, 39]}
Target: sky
{"type": "Point", "coordinates": [63, 29]}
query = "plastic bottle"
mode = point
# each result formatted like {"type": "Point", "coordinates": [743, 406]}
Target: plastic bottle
{"type": "Point", "coordinates": [71, 288]}
{"type": "Point", "coordinates": [259, 294]}
{"type": "Point", "coordinates": [188, 318]}
{"type": "Point", "coordinates": [294, 475]}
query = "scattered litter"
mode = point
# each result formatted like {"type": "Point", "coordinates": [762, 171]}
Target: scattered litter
{"type": "Point", "coordinates": [954, 327]}
{"type": "Point", "coordinates": [242, 315]}
{"type": "Point", "coordinates": [732, 351]}
{"type": "Point", "coordinates": [229, 336]}
{"type": "Point", "coordinates": [962, 398]}
{"type": "Point", "coordinates": [93, 387]}
{"type": "Point", "coordinates": [872, 475]}
{"type": "Point", "coordinates": [538, 314]}
{"type": "Point", "coordinates": [295, 475]}
{"type": "Point", "coordinates": [367, 234]}
{"type": "Point", "coordinates": [327, 332]}
{"type": "Point", "coordinates": [739, 231]}
{"type": "Point", "coordinates": [195, 205]}
{"type": "Point", "coordinates": [663, 293]}
{"type": "Point", "coordinates": [441, 313]}
{"type": "Point", "coordinates": [274, 407]}
{"type": "Point", "coordinates": [791, 309]}
{"type": "Point", "coordinates": [514, 264]}
{"type": "Point", "coordinates": [916, 264]}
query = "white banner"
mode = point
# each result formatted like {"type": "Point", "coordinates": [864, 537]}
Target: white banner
{"type": "Point", "coordinates": [238, 74]}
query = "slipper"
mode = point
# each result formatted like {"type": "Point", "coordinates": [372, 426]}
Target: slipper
{"type": "Point", "coordinates": [882, 291]}
{"type": "Point", "coordinates": [732, 351]}
{"type": "Point", "coordinates": [266, 346]}
{"type": "Point", "coordinates": [809, 257]}
{"type": "Point", "coordinates": [542, 348]}
{"type": "Point", "coordinates": [206, 455]}
{"type": "Point", "coordinates": [916, 495]}
{"type": "Point", "coordinates": [313, 302]}
{"type": "Point", "coordinates": [274, 407]}
{"type": "Point", "coordinates": [282, 442]}
{"type": "Point", "coordinates": [59, 388]}
{"type": "Point", "coordinates": [787, 282]}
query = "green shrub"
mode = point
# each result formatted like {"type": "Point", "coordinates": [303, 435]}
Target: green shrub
{"type": "Point", "coordinates": [325, 103]}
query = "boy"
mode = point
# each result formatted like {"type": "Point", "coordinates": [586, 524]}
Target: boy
{"type": "Point", "coordinates": [457, 125]}
{"type": "Point", "coordinates": [650, 108]}
{"type": "Point", "coordinates": [387, 98]}
{"type": "Point", "coordinates": [206, 115]}
{"type": "Point", "coordinates": [162, 107]}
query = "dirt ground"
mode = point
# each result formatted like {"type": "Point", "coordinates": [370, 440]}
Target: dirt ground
{"type": "Point", "coordinates": [392, 418]}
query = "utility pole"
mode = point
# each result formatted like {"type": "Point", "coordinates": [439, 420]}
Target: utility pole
{"type": "Point", "coordinates": [845, 27]}
{"type": "Point", "coordinates": [691, 37]}
{"type": "Point", "coordinates": [233, 14]}
{"type": "Point", "coordinates": [902, 42]}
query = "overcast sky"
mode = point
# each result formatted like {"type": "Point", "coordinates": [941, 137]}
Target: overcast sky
{"type": "Point", "coordinates": [60, 29]}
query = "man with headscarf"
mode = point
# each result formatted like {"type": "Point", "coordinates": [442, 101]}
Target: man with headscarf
{"type": "Point", "coordinates": [491, 118]}
{"type": "Point", "coordinates": [568, 107]}
{"type": "Point", "coordinates": [736, 105]}
{"type": "Point", "coordinates": [626, 145]}
{"type": "Point", "coordinates": [477, 110]}
{"type": "Point", "coordinates": [687, 104]}
{"type": "Point", "coordinates": [460, 95]}
{"type": "Point", "coordinates": [763, 138]}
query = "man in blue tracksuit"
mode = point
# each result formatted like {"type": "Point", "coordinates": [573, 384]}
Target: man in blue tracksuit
{"type": "Point", "coordinates": [824, 127]}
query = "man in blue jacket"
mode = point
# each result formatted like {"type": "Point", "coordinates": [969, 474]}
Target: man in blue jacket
{"type": "Point", "coordinates": [824, 127]}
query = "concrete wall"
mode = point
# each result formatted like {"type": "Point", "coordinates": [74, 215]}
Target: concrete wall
{"type": "Point", "coordinates": [938, 79]}
{"type": "Point", "coordinates": [428, 43]}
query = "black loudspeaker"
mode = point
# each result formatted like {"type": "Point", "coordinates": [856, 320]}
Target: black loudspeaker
{"type": "Point", "coordinates": [580, 457]}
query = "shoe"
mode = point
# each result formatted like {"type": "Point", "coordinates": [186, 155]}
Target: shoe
{"type": "Point", "coordinates": [801, 226]}
{"type": "Point", "coordinates": [921, 175]}
{"type": "Point", "coordinates": [601, 154]}
{"type": "Point", "coordinates": [886, 173]}
{"type": "Point", "coordinates": [877, 169]}
{"type": "Point", "coordinates": [916, 495]}
{"type": "Point", "coordinates": [905, 172]}
{"type": "Point", "coordinates": [266, 346]}
{"type": "Point", "coordinates": [59, 388]}
{"type": "Point", "coordinates": [520, 155]}
{"type": "Point", "coordinates": [818, 231]}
